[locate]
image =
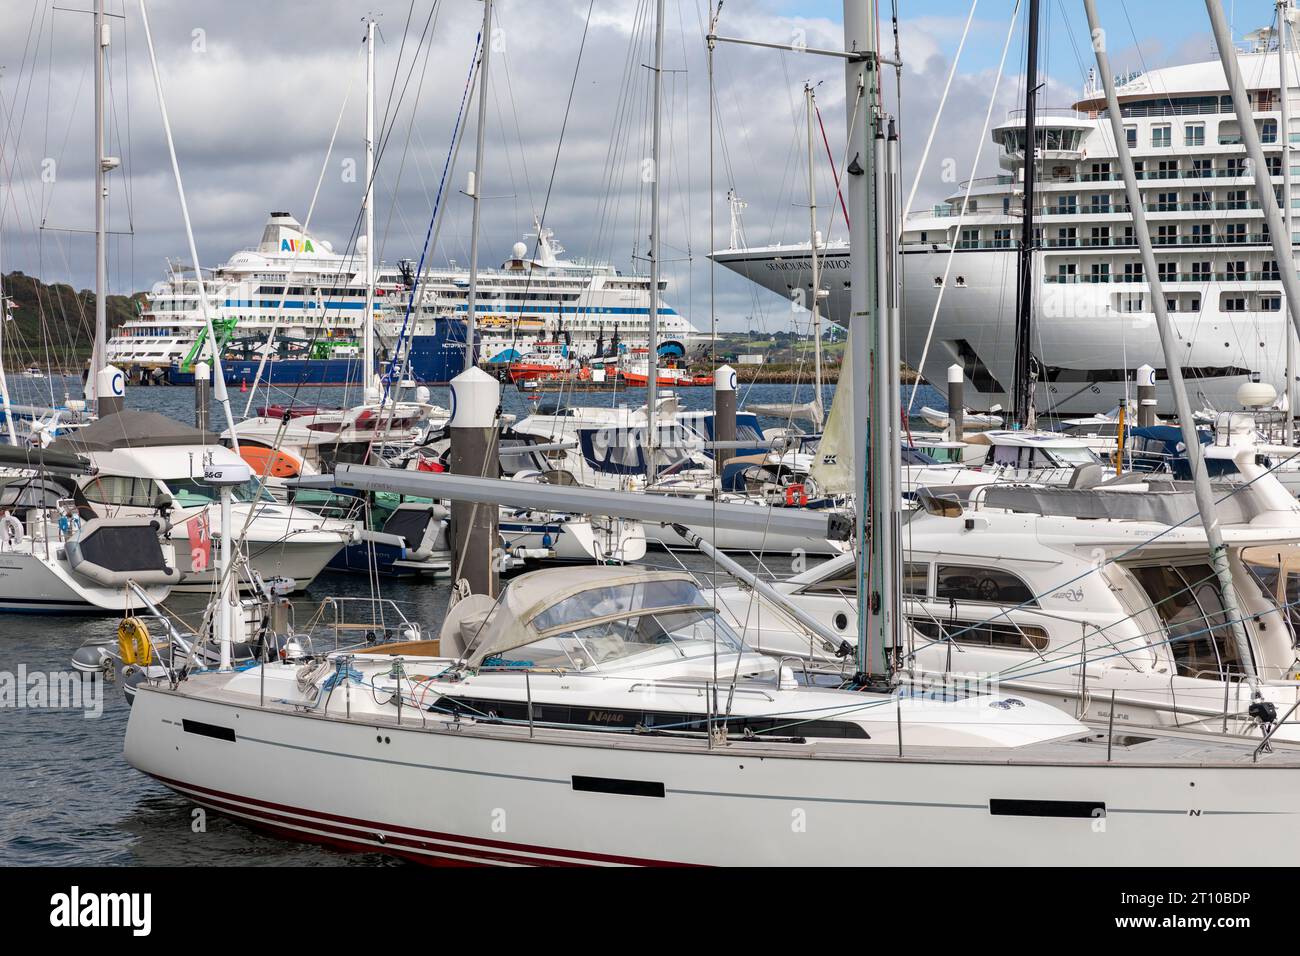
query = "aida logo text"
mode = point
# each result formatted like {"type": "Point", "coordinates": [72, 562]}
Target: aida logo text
{"type": "Point", "coordinates": [296, 245]}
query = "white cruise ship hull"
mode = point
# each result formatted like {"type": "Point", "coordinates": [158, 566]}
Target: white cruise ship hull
{"type": "Point", "coordinates": [1085, 346]}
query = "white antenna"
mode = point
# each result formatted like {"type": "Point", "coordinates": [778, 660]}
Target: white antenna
{"type": "Point", "coordinates": [736, 207]}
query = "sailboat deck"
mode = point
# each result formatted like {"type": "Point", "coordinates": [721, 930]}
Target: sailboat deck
{"type": "Point", "coordinates": [1131, 747]}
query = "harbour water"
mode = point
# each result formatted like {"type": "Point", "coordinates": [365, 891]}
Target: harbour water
{"type": "Point", "coordinates": [69, 796]}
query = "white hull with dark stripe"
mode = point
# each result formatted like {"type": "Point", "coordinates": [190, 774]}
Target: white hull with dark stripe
{"type": "Point", "coordinates": [435, 788]}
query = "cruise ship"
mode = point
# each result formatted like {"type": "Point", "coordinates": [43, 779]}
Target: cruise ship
{"type": "Point", "coordinates": [317, 339]}
{"type": "Point", "coordinates": [591, 309]}
{"type": "Point", "coordinates": [1093, 324]}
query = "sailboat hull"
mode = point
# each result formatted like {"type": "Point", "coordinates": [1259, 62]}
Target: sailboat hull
{"type": "Point", "coordinates": [30, 585]}
{"type": "Point", "coordinates": [445, 793]}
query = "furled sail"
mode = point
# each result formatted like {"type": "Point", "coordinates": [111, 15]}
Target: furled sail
{"type": "Point", "coordinates": [832, 469]}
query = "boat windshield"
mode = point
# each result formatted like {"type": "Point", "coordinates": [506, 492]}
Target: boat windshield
{"type": "Point", "coordinates": [1070, 457]}
{"type": "Point", "coordinates": [191, 492]}
{"type": "Point", "coordinates": [640, 638]}
{"type": "Point", "coordinates": [618, 599]}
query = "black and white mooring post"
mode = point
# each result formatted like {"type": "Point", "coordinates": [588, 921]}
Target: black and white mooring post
{"type": "Point", "coordinates": [202, 395]}
{"type": "Point", "coordinates": [724, 413]}
{"type": "Point", "coordinates": [111, 391]}
{"type": "Point", "coordinates": [956, 402]}
{"type": "Point", "coordinates": [1146, 389]}
{"type": "Point", "coordinates": [475, 398]}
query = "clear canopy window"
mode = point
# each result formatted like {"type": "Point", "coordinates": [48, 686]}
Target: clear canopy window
{"type": "Point", "coordinates": [642, 637]}
{"type": "Point", "coordinates": [619, 599]}
{"type": "Point", "coordinates": [648, 622]}
{"type": "Point", "coordinates": [1189, 603]}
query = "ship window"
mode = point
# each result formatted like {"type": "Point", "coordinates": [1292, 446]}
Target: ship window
{"type": "Point", "coordinates": [959, 582]}
{"type": "Point", "coordinates": [122, 491]}
{"type": "Point", "coordinates": [1194, 134]}
{"type": "Point", "coordinates": [1189, 604]}
{"type": "Point", "coordinates": [1004, 635]}
{"type": "Point", "coordinates": [189, 492]}
{"type": "Point", "coordinates": [916, 579]}
{"type": "Point", "coordinates": [1160, 136]}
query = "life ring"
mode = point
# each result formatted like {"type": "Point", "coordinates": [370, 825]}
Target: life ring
{"type": "Point", "coordinates": [133, 642]}
{"type": "Point", "coordinates": [795, 496]}
{"type": "Point", "coordinates": [13, 530]}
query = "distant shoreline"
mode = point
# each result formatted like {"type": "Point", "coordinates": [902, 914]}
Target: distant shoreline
{"type": "Point", "coordinates": [801, 374]}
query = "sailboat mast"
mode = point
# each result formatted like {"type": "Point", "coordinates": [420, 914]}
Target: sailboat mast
{"type": "Point", "coordinates": [475, 187]}
{"type": "Point", "coordinates": [368, 357]}
{"type": "Point", "coordinates": [652, 357]}
{"type": "Point", "coordinates": [1284, 10]}
{"type": "Point", "coordinates": [98, 352]}
{"type": "Point", "coordinates": [813, 257]}
{"type": "Point", "coordinates": [1021, 386]}
{"type": "Point", "coordinates": [870, 345]}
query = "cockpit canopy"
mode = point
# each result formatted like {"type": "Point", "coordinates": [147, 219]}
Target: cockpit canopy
{"type": "Point", "coordinates": [585, 619]}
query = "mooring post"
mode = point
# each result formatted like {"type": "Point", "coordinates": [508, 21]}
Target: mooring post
{"type": "Point", "coordinates": [1146, 389]}
{"type": "Point", "coordinates": [111, 391]}
{"type": "Point", "coordinates": [956, 400]}
{"type": "Point", "coordinates": [724, 413]}
{"type": "Point", "coordinates": [202, 395]}
{"type": "Point", "coordinates": [475, 398]}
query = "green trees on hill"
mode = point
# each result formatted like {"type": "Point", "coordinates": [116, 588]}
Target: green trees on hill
{"type": "Point", "coordinates": [53, 323]}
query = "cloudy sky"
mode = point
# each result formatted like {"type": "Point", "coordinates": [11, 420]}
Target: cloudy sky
{"type": "Point", "coordinates": [254, 90]}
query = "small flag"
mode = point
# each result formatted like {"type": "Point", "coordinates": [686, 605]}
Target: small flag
{"type": "Point", "coordinates": [200, 541]}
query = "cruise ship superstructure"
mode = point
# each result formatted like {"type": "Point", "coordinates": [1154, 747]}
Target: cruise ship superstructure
{"type": "Point", "coordinates": [1093, 324]}
{"type": "Point", "coordinates": [320, 318]}
{"type": "Point", "coordinates": [538, 296]}
{"type": "Point", "coordinates": [591, 308]}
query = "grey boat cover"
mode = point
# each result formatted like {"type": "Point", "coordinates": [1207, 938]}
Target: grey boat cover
{"type": "Point", "coordinates": [42, 459]}
{"type": "Point", "coordinates": [113, 551]}
{"type": "Point", "coordinates": [131, 428]}
{"type": "Point", "coordinates": [1168, 507]}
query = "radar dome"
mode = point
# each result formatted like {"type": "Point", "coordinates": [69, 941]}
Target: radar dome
{"type": "Point", "coordinates": [518, 250]}
{"type": "Point", "coordinates": [1255, 394]}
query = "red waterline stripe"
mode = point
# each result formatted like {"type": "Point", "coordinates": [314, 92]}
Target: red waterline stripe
{"type": "Point", "coordinates": [432, 835]}
{"type": "Point", "coordinates": [369, 840]}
